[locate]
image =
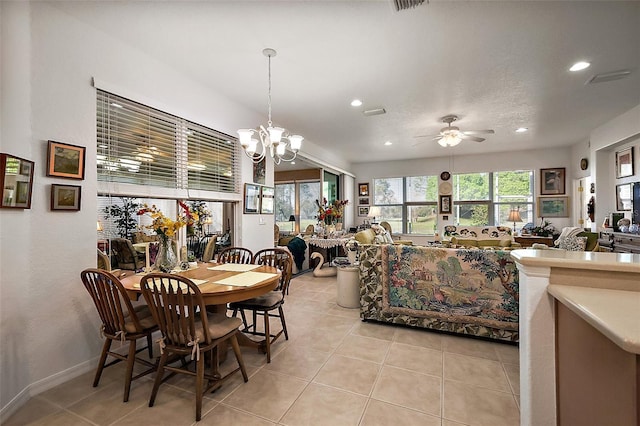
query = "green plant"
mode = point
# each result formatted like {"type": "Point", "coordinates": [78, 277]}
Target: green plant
{"type": "Point", "coordinates": [124, 216]}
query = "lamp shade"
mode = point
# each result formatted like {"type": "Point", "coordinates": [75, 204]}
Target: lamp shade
{"type": "Point", "coordinates": [100, 228]}
{"type": "Point", "coordinates": [292, 218]}
{"type": "Point", "coordinates": [374, 211]}
{"type": "Point", "coordinates": [514, 216]}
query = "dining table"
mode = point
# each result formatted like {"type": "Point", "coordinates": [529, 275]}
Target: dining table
{"type": "Point", "coordinates": [221, 283]}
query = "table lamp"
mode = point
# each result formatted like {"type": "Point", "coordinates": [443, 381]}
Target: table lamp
{"type": "Point", "coordinates": [100, 228]}
{"type": "Point", "coordinates": [514, 216]}
{"type": "Point", "coordinates": [373, 212]}
{"type": "Point", "coordinates": [292, 219]}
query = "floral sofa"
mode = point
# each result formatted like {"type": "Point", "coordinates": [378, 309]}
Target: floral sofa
{"type": "Point", "coordinates": [479, 236]}
{"type": "Point", "coordinates": [473, 292]}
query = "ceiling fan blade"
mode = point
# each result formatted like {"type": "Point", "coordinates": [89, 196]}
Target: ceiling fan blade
{"type": "Point", "coordinates": [425, 136]}
{"type": "Point", "coordinates": [478, 132]}
{"type": "Point", "coordinates": [472, 138]}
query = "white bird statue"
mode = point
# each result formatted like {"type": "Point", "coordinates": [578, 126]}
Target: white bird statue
{"type": "Point", "coordinates": [319, 271]}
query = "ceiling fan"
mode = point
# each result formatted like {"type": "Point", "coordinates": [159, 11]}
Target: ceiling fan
{"type": "Point", "coordinates": [452, 135]}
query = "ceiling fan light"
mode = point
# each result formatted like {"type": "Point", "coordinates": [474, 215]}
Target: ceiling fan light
{"type": "Point", "coordinates": [442, 142]}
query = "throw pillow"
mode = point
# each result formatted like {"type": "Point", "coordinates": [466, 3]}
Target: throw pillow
{"type": "Point", "coordinates": [573, 243]}
{"type": "Point", "coordinates": [567, 232]}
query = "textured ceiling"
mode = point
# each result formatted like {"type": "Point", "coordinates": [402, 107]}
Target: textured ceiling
{"type": "Point", "coordinates": [498, 65]}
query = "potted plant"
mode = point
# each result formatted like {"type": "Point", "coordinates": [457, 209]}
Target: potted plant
{"type": "Point", "coordinates": [124, 216]}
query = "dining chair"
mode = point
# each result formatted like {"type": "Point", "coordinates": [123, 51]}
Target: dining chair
{"type": "Point", "coordinates": [127, 256]}
{"type": "Point", "coordinates": [269, 302]}
{"type": "Point", "coordinates": [177, 305]}
{"type": "Point", "coordinates": [209, 248]}
{"type": "Point", "coordinates": [235, 255]}
{"type": "Point", "coordinates": [121, 322]}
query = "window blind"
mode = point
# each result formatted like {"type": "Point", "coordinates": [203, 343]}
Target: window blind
{"type": "Point", "coordinates": [140, 145]}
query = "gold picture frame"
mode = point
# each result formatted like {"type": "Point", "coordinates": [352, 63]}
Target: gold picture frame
{"type": "Point", "coordinates": [553, 206]}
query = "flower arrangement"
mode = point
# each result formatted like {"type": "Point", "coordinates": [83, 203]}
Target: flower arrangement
{"type": "Point", "coordinates": [199, 209]}
{"type": "Point", "coordinates": [163, 226]}
{"type": "Point", "coordinates": [546, 229]}
{"type": "Point", "coordinates": [330, 213]}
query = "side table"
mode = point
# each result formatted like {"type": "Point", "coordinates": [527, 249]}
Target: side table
{"type": "Point", "coordinates": [348, 286]}
{"type": "Point", "coordinates": [529, 240]}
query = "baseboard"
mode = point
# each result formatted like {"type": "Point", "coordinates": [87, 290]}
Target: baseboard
{"type": "Point", "coordinates": [43, 385]}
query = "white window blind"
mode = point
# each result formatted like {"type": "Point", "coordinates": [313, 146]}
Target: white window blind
{"type": "Point", "coordinates": [140, 145]}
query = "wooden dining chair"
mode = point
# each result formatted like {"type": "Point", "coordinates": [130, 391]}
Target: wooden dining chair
{"type": "Point", "coordinates": [120, 322]}
{"type": "Point", "coordinates": [187, 329]}
{"type": "Point", "coordinates": [235, 255]}
{"type": "Point", "coordinates": [269, 302]}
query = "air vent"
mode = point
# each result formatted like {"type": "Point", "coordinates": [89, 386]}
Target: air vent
{"type": "Point", "coordinates": [406, 4]}
{"type": "Point", "coordinates": [609, 76]}
{"type": "Point", "coordinates": [377, 111]}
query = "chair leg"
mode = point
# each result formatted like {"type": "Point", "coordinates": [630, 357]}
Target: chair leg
{"type": "Point", "coordinates": [131, 359]}
{"type": "Point", "coordinates": [244, 320]}
{"type": "Point", "coordinates": [150, 346]}
{"type": "Point", "coordinates": [103, 358]}
{"type": "Point", "coordinates": [158, 380]}
{"type": "Point", "coordinates": [199, 387]}
{"type": "Point", "coordinates": [284, 323]}
{"type": "Point", "coordinates": [267, 335]}
{"type": "Point", "coordinates": [255, 320]}
{"type": "Point", "coordinates": [238, 353]}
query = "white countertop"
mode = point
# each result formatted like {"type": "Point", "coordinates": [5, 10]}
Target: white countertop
{"type": "Point", "coordinates": [620, 262]}
{"type": "Point", "coordinates": [615, 313]}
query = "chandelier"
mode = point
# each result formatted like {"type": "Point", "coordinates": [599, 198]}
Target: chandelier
{"type": "Point", "coordinates": [273, 140]}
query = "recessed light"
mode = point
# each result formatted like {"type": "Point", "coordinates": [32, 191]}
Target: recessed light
{"type": "Point", "coordinates": [387, 143]}
{"type": "Point", "coordinates": [356, 103]}
{"type": "Point", "coordinates": [579, 66]}
{"type": "Point", "coordinates": [522, 129]}
{"type": "Point", "coordinates": [293, 162]}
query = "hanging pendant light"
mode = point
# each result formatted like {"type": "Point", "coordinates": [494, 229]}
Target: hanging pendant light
{"type": "Point", "coordinates": [272, 140]}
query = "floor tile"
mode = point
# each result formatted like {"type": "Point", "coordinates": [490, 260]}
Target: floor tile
{"type": "Point", "coordinates": [422, 360]}
{"type": "Point", "coordinates": [267, 394]}
{"type": "Point", "coordinates": [82, 386]}
{"type": "Point", "coordinates": [475, 371]}
{"type": "Point", "coordinates": [513, 374]}
{"type": "Point", "coordinates": [508, 354]}
{"type": "Point", "coordinates": [349, 374]}
{"type": "Point", "coordinates": [482, 407]}
{"type": "Point", "coordinates": [300, 362]}
{"type": "Point", "coordinates": [375, 330]}
{"type": "Point", "coordinates": [366, 348]}
{"type": "Point", "coordinates": [469, 346]}
{"type": "Point", "coordinates": [419, 337]}
{"type": "Point", "coordinates": [223, 415]}
{"type": "Point", "coordinates": [320, 405]}
{"type": "Point", "coordinates": [380, 413]}
{"type": "Point", "coordinates": [61, 418]}
{"type": "Point", "coordinates": [35, 408]}
{"type": "Point", "coordinates": [409, 389]}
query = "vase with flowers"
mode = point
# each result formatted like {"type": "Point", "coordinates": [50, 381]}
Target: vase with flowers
{"type": "Point", "coordinates": [331, 214]}
{"type": "Point", "coordinates": [545, 229]}
{"type": "Point", "coordinates": [166, 228]}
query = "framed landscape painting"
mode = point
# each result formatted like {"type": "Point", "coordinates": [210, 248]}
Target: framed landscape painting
{"type": "Point", "coordinates": [64, 160]}
{"type": "Point", "coordinates": [65, 197]}
{"type": "Point", "coordinates": [553, 206]}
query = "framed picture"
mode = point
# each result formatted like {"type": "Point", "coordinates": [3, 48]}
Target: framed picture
{"type": "Point", "coordinates": [552, 181]}
{"type": "Point", "coordinates": [267, 195]}
{"type": "Point", "coordinates": [251, 198]}
{"type": "Point", "coordinates": [64, 160]}
{"type": "Point", "coordinates": [624, 163]}
{"type": "Point", "coordinates": [445, 204]}
{"type": "Point", "coordinates": [364, 201]}
{"type": "Point", "coordinates": [363, 189]}
{"type": "Point", "coordinates": [260, 171]}
{"type": "Point", "coordinates": [624, 198]}
{"type": "Point", "coordinates": [363, 211]}
{"type": "Point", "coordinates": [553, 206]}
{"type": "Point", "coordinates": [16, 181]}
{"type": "Point", "coordinates": [65, 197]}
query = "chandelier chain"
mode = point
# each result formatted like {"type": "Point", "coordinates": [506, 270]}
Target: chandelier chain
{"type": "Point", "coordinates": [269, 122]}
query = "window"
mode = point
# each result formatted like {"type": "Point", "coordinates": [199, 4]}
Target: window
{"type": "Point", "coordinates": [143, 146]}
{"type": "Point", "coordinates": [305, 194]}
{"type": "Point", "coordinates": [410, 204]}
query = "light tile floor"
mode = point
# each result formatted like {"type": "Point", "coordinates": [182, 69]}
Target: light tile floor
{"type": "Point", "coordinates": [334, 370]}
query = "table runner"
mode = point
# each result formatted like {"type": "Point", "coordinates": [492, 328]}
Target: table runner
{"type": "Point", "coordinates": [233, 267]}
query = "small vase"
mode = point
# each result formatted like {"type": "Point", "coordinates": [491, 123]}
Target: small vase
{"type": "Point", "coordinates": [353, 256]}
{"type": "Point", "coordinates": [166, 260]}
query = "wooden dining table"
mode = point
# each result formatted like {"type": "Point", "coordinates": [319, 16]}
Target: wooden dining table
{"type": "Point", "coordinates": [221, 284]}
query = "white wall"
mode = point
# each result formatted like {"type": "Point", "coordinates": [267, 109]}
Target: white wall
{"type": "Point", "coordinates": [49, 328]}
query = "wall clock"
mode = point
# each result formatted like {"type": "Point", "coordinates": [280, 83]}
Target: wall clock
{"type": "Point", "coordinates": [584, 164]}
{"type": "Point", "coordinates": [445, 175]}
